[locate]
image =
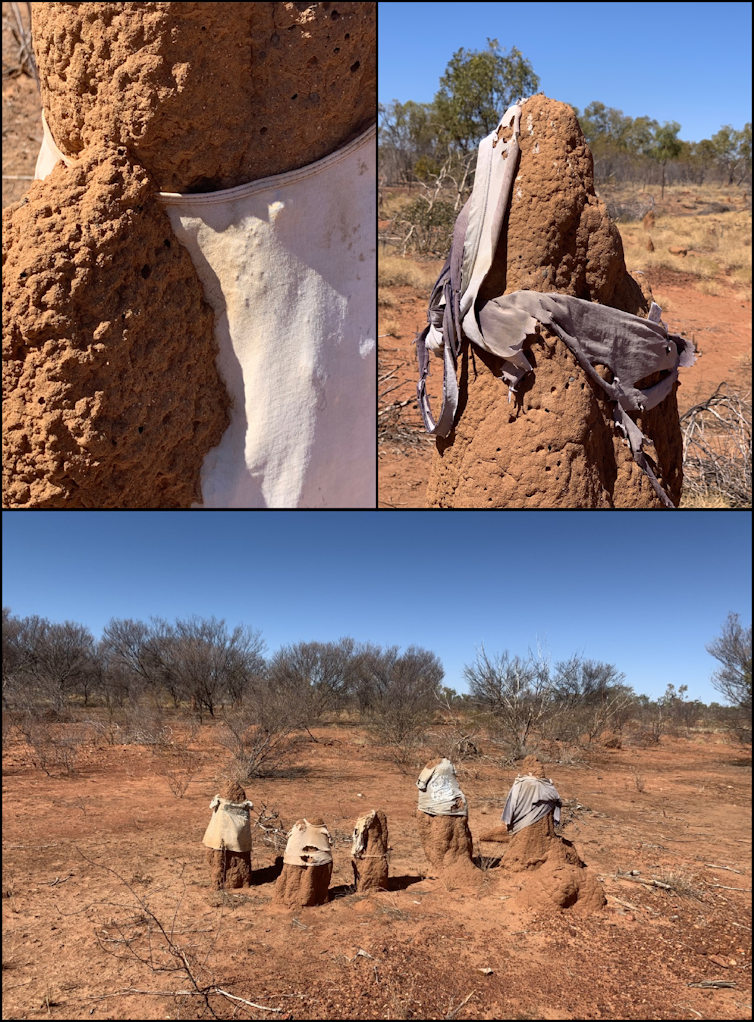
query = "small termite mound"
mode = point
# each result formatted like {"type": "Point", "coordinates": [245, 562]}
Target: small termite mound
{"type": "Point", "coordinates": [369, 852]}
{"type": "Point", "coordinates": [307, 866]}
{"type": "Point", "coordinates": [559, 878]}
{"type": "Point", "coordinates": [229, 839]}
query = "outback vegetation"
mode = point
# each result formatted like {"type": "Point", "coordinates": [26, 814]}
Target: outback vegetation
{"type": "Point", "coordinates": [113, 747]}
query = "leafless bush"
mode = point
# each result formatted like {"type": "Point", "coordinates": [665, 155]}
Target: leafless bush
{"type": "Point", "coordinates": [137, 933]}
{"type": "Point", "coordinates": [261, 732]}
{"type": "Point", "coordinates": [717, 448]}
{"type": "Point", "coordinates": [144, 725]}
{"type": "Point", "coordinates": [178, 767]}
{"type": "Point", "coordinates": [639, 781]}
{"type": "Point", "coordinates": [516, 692]}
{"type": "Point", "coordinates": [398, 693]}
{"type": "Point", "coordinates": [51, 746]}
{"type": "Point", "coordinates": [631, 210]}
{"type": "Point", "coordinates": [177, 762]}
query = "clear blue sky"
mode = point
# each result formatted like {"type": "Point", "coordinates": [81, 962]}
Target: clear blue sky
{"type": "Point", "coordinates": [642, 590]}
{"type": "Point", "coordinates": [688, 62]}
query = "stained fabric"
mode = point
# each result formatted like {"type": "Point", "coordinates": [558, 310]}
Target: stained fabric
{"type": "Point", "coordinates": [633, 348]}
{"type": "Point", "coordinates": [360, 836]}
{"type": "Point", "coordinates": [288, 265]}
{"type": "Point", "coordinates": [530, 799]}
{"type": "Point", "coordinates": [439, 793]}
{"type": "Point", "coordinates": [230, 825]}
{"type": "Point", "coordinates": [308, 845]}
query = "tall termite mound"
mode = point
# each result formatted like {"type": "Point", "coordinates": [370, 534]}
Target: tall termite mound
{"type": "Point", "coordinates": [111, 398]}
{"type": "Point", "coordinates": [554, 444]}
{"type": "Point", "coordinates": [369, 852]}
{"type": "Point", "coordinates": [442, 819]}
{"type": "Point", "coordinates": [206, 95]}
{"type": "Point", "coordinates": [558, 878]}
{"type": "Point", "coordinates": [230, 870]}
{"type": "Point", "coordinates": [307, 866]}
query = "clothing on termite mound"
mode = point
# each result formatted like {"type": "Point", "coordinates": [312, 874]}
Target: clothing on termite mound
{"type": "Point", "coordinates": [442, 818]}
{"type": "Point", "coordinates": [208, 96]}
{"type": "Point", "coordinates": [369, 852]}
{"type": "Point", "coordinates": [555, 444]}
{"type": "Point", "coordinates": [111, 397]}
{"type": "Point", "coordinates": [229, 839]}
{"type": "Point", "coordinates": [307, 865]}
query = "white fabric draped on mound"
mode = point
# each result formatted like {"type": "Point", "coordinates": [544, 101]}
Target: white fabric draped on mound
{"type": "Point", "coordinates": [288, 264]}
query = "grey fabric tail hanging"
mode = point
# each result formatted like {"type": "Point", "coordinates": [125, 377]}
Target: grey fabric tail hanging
{"type": "Point", "coordinates": [631, 347]}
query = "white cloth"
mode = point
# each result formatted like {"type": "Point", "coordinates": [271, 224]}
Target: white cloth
{"type": "Point", "coordinates": [439, 793]}
{"type": "Point", "coordinates": [530, 799]}
{"type": "Point", "coordinates": [308, 845]}
{"type": "Point", "coordinates": [230, 825]}
{"type": "Point", "coordinates": [288, 264]}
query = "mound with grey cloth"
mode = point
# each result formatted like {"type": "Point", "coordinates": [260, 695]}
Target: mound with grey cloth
{"type": "Point", "coordinates": [592, 368]}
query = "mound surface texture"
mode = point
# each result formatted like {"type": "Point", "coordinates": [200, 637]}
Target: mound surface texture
{"type": "Point", "coordinates": [555, 443]}
{"type": "Point", "coordinates": [207, 96]}
{"type": "Point", "coordinates": [111, 398]}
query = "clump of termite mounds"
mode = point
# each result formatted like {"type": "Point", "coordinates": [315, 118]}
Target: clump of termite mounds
{"type": "Point", "coordinates": [550, 871]}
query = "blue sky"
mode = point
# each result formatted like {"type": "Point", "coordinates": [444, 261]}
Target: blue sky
{"type": "Point", "coordinates": [688, 62]}
{"type": "Point", "coordinates": [642, 590]}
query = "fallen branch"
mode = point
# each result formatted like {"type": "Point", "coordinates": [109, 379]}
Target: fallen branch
{"type": "Point", "coordinates": [746, 890]}
{"type": "Point", "coordinates": [713, 984]}
{"type": "Point", "coordinates": [730, 869]}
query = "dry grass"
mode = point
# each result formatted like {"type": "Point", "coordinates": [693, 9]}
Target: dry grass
{"type": "Point", "coordinates": [716, 246]}
{"type": "Point", "coordinates": [389, 328]}
{"type": "Point", "coordinates": [395, 271]}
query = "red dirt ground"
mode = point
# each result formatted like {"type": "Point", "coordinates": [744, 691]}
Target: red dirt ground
{"type": "Point", "coordinates": [426, 947]}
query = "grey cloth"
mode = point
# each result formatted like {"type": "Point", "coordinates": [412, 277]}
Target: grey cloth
{"type": "Point", "coordinates": [633, 348]}
{"type": "Point", "coordinates": [530, 799]}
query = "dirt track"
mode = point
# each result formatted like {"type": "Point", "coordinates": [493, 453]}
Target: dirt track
{"type": "Point", "coordinates": [425, 944]}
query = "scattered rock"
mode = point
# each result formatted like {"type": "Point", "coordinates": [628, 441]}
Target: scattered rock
{"type": "Point", "coordinates": [677, 250]}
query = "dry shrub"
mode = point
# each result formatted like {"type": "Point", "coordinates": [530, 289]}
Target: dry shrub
{"type": "Point", "coordinates": [390, 328]}
{"type": "Point", "coordinates": [177, 762]}
{"type": "Point", "coordinates": [50, 746]}
{"type": "Point", "coordinates": [717, 448]}
{"type": "Point", "coordinates": [639, 781]}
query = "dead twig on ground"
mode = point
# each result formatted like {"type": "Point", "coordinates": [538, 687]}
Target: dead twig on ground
{"type": "Point", "coordinates": [22, 35]}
